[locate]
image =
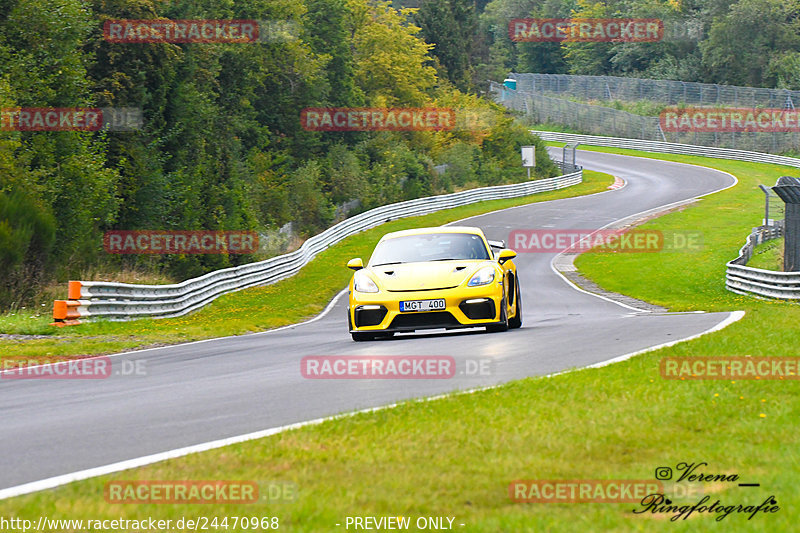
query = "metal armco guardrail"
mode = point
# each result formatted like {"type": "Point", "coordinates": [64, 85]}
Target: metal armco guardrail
{"type": "Point", "coordinates": [123, 301]}
{"type": "Point", "coordinates": [669, 148]}
{"type": "Point", "coordinates": [742, 279]}
{"type": "Point", "coordinates": [739, 278]}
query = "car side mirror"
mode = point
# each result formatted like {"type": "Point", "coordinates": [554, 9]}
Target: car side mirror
{"type": "Point", "coordinates": [355, 264]}
{"type": "Point", "coordinates": [505, 254]}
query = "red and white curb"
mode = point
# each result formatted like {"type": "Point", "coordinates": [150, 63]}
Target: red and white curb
{"type": "Point", "coordinates": [618, 183]}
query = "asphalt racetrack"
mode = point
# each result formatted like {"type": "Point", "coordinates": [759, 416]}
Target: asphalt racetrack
{"type": "Point", "coordinates": [201, 392]}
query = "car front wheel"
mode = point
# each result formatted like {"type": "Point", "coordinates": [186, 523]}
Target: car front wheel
{"type": "Point", "coordinates": [503, 325]}
{"type": "Point", "coordinates": [516, 321]}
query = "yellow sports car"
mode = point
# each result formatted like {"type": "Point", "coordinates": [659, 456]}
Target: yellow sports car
{"type": "Point", "coordinates": [445, 277]}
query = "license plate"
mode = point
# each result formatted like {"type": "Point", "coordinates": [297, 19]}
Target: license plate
{"type": "Point", "coordinates": [422, 305]}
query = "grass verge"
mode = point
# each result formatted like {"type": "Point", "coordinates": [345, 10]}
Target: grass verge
{"type": "Point", "coordinates": [256, 309]}
{"type": "Point", "coordinates": [768, 255]}
{"type": "Point", "coordinates": [456, 456]}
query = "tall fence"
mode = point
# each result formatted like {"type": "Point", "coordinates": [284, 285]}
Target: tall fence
{"type": "Point", "coordinates": [588, 118]}
{"type": "Point", "coordinates": [542, 108]}
{"type": "Point", "coordinates": [774, 207]}
{"type": "Point", "coordinates": [671, 92]}
{"type": "Point", "coordinates": [124, 301]}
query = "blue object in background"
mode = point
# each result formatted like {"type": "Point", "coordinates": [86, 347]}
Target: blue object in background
{"type": "Point", "coordinates": [508, 83]}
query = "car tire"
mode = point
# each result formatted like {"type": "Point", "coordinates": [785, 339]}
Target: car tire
{"type": "Point", "coordinates": [516, 321]}
{"type": "Point", "coordinates": [503, 325]}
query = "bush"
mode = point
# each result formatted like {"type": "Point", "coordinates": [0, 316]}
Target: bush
{"type": "Point", "coordinates": [27, 234]}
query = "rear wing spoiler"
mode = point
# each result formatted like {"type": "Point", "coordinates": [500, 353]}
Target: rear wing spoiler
{"type": "Point", "coordinates": [497, 244]}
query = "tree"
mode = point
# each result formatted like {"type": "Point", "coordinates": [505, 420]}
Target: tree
{"type": "Point", "coordinates": [45, 60]}
{"type": "Point", "coordinates": [391, 62]}
{"type": "Point", "coordinates": [450, 26]}
{"type": "Point", "coordinates": [742, 43]}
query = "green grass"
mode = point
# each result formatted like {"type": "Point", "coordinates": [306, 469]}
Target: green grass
{"type": "Point", "coordinates": [256, 309]}
{"type": "Point", "coordinates": [644, 107]}
{"type": "Point", "coordinates": [724, 220]}
{"type": "Point", "coordinates": [554, 127]}
{"type": "Point", "coordinates": [456, 456]}
{"type": "Point", "coordinates": [566, 129]}
{"type": "Point", "coordinates": [29, 322]}
{"type": "Point", "coordinates": [768, 255]}
{"type": "Point", "coordinates": [648, 108]}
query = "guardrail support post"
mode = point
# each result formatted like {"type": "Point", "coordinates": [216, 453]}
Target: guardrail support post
{"type": "Point", "coordinates": [766, 204]}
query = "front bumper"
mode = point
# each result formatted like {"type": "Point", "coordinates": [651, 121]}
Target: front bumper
{"type": "Point", "coordinates": [465, 307]}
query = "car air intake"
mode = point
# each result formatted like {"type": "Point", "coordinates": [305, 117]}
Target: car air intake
{"type": "Point", "coordinates": [369, 315]}
{"type": "Point", "coordinates": [478, 309]}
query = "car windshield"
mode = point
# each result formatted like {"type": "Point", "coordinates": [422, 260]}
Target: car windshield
{"type": "Point", "coordinates": [429, 247]}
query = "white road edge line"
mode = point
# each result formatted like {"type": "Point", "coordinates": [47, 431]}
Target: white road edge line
{"type": "Point", "coordinates": [633, 217]}
{"type": "Point", "coordinates": [324, 312]}
{"type": "Point", "coordinates": [327, 309]}
{"type": "Point", "coordinates": [49, 483]}
{"type": "Point", "coordinates": [527, 205]}
{"type": "Point", "coordinates": [56, 481]}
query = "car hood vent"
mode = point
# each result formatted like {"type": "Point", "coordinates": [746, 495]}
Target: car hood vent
{"type": "Point", "coordinates": [427, 276]}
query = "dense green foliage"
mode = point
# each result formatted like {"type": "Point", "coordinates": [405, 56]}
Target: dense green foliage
{"type": "Point", "coordinates": [222, 145]}
{"type": "Point", "coordinates": [736, 42]}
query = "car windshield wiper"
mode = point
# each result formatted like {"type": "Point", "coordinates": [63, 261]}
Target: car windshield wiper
{"type": "Point", "coordinates": [450, 259]}
{"type": "Point", "coordinates": [392, 263]}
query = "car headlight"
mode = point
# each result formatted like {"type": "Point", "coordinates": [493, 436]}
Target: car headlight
{"type": "Point", "coordinates": [363, 283]}
{"type": "Point", "coordinates": [483, 276]}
